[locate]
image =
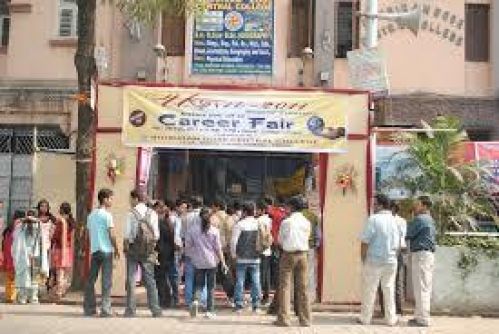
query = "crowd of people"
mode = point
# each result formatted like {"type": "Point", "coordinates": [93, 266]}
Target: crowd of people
{"type": "Point", "coordinates": [238, 246]}
{"type": "Point", "coordinates": [235, 245]}
{"type": "Point", "coordinates": [37, 250]}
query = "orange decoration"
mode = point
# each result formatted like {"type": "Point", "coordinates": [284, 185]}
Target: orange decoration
{"type": "Point", "coordinates": [345, 178]}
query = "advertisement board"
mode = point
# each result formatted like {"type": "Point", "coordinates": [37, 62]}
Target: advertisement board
{"type": "Point", "coordinates": [255, 120]}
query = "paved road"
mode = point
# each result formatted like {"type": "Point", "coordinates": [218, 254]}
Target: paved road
{"type": "Point", "coordinates": [52, 319]}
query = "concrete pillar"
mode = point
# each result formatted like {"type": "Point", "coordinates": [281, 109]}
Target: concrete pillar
{"type": "Point", "coordinates": [324, 43]}
{"type": "Point", "coordinates": [494, 44]}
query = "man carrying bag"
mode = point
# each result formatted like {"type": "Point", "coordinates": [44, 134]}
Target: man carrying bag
{"type": "Point", "coordinates": [141, 236]}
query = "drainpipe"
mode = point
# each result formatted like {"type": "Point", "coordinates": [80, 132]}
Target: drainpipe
{"type": "Point", "coordinates": [324, 46]}
{"type": "Point", "coordinates": [372, 24]}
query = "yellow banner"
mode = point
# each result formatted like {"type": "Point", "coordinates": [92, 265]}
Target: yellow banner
{"type": "Point", "coordinates": [256, 120]}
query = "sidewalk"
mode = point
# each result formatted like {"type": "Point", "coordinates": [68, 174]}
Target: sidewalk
{"type": "Point", "coordinates": [76, 299]}
{"type": "Point", "coordinates": [62, 319]}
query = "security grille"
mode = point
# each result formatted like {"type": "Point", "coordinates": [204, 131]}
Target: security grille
{"type": "Point", "coordinates": [20, 141]}
{"type": "Point", "coordinates": [16, 162]}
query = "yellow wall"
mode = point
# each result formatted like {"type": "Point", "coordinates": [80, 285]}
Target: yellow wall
{"type": "Point", "coordinates": [54, 179]}
{"type": "Point", "coordinates": [109, 107]}
{"type": "Point", "coordinates": [344, 216]}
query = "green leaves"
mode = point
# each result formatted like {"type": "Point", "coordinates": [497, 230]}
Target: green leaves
{"type": "Point", "coordinates": [433, 166]}
{"type": "Point", "coordinates": [147, 11]}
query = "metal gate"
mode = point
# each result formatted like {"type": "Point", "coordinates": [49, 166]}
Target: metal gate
{"type": "Point", "coordinates": [17, 148]}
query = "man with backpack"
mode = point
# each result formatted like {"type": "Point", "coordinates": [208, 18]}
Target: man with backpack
{"type": "Point", "coordinates": [139, 243]}
{"type": "Point", "coordinates": [248, 242]}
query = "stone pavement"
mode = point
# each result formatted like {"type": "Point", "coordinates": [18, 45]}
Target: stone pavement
{"type": "Point", "coordinates": [61, 319]}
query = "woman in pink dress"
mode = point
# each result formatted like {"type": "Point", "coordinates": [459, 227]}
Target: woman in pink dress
{"type": "Point", "coordinates": [62, 251]}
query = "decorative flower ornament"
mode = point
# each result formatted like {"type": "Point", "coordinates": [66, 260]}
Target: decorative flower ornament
{"type": "Point", "coordinates": [115, 167]}
{"type": "Point", "coordinates": [346, 177]}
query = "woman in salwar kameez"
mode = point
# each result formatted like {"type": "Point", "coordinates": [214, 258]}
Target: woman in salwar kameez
{"type": "Point", "coordinates": [61, 254]}
{"type": "Point", "coordinates": [8, 261]}
{"type": "Point", "coordinates": [30, 262]}
{"type": "Point", "coordinates": [47, 223]}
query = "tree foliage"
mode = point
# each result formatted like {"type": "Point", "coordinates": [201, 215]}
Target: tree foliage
{"type": "Point", "coordinates": [433, 166]}
{"type": "Point", "coordinates": [147, 11]}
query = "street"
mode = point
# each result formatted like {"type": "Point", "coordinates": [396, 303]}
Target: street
{"type": "Point", "coordinates": [56, 319]}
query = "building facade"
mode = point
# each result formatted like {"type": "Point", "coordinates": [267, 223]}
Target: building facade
{"type": "Point", "coordinates": [451, 67]}
{"type": "Point", "coordinates": [38, 86]}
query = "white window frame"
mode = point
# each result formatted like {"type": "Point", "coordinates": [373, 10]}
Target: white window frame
{"type": "Point", "coordinates": [67, 5]}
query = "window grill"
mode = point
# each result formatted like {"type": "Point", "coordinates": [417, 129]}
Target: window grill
{"type": "Point", "coordinates": [20, 141]}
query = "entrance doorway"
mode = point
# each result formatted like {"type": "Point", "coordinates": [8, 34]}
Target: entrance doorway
{"type": "Point", "coordinates": [230, 175]}
{"type": "Point", "coordinates": [236, 176]}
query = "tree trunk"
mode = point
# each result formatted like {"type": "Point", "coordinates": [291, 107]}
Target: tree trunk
{"type": "Point", "coordinates": [86, 70]}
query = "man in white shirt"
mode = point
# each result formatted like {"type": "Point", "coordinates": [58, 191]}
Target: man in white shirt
{"type": "Point", "coordinates": [380, 245]}
{"type": "Point", "coordinates": [401, 264]}
{"type": "Point", "coordinates": [294, 235]}
{"type": "Point", "coordinates": [140, 211]}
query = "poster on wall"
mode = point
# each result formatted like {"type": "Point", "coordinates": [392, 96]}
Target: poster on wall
{"type": "Point", "coordinates": [256, 120]}
{"type": "Point", "coordinates": [488, 155]}
{"type": "Point", "coordinates": [234, 38]}
{"type": "Point", "coordinates": [367, 70]}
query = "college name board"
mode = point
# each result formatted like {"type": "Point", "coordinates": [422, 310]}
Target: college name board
{"type": "Point", "coordinates": [255, 120]}
{"type": "Point", "coordinates": [233, 38]}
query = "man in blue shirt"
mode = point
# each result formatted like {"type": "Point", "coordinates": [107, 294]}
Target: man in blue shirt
{"type": "Point", "coordinates": [422, 236]}
{"type": "Point", "coordinates": [100, 230]}
{"type": "Point", "coordinates": [380, 244]}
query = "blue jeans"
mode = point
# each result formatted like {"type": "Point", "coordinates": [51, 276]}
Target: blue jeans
{"type": "Point", "coordinates": [254, 271]}
{"type": "Point", "coordinates": [100, 261]}
{"type": "Point", "coordinates": [190, 274]}
{"type": "Point", "coordinates": [206, 279]}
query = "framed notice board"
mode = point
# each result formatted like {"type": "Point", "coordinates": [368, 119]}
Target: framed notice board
{"type": "Point", "coordinates": [234, 38]}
